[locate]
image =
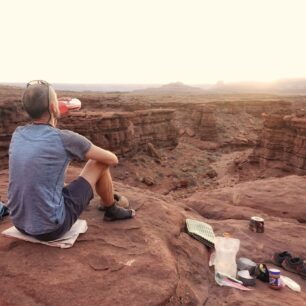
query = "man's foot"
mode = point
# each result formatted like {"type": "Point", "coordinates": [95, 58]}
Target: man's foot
{"type": "Point", "coordinates": [115, 212]}
{"type": "Point", "coordinates": [121, 200]}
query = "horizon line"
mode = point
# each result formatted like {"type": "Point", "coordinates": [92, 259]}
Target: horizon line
{"type": "Point", "coordinates": [164, 83]}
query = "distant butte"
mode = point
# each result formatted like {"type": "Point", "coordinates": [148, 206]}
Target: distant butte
{"type": "Point", "coordinates": [172, 88]}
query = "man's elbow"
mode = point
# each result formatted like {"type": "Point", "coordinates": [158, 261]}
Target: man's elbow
{"type": "Point", "coordinates": [114, 161]}
{"type": "Point", "coordinates": [103, 156]}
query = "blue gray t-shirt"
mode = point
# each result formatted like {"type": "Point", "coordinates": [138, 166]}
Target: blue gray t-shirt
{"type": "Point", "coordinates": [38, 157]}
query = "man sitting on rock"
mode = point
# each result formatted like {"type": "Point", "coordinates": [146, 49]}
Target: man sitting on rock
{"type": "Point", "coordinates": [39, 154]}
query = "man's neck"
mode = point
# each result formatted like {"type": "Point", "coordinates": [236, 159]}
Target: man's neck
{"type": "Point", "coordinates": [51, 122]}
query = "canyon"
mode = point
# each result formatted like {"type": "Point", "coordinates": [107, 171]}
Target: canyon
{"type": "Point", "coordinates": [219, 159]}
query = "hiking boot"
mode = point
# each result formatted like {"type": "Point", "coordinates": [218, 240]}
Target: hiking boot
{"type": "Point", "coordinates": [121, 200]}
{"type": "Point", "coordinates": [295, 265]}
{"type": "Point", "coordinates": [278, 258]}
{"type": "Point", "coordinates": [115, 212]}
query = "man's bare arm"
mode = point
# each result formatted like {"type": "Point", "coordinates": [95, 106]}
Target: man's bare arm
{"type": "Point", "coordinates": [100, 155]}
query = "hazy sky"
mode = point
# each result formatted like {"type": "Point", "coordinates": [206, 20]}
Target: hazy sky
{"type": "Point", "coordinates": [152, 41]}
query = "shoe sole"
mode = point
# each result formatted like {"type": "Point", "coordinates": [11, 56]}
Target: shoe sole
{"type": "Point", "coordinates": [289, 269]}
{"type": "Point", "coordinates": [133, 213]}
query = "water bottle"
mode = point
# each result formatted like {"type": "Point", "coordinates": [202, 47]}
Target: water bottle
{"type": "Point", "coordinates": [67, 103]}
{"type": "Point", "coordinates": [225, 258]}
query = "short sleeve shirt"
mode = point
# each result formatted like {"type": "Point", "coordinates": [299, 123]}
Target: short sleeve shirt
{"type": "Point", "coordinates": [38, 157]}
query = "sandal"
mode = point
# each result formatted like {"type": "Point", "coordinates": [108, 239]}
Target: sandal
{"type": "Point", "coordinates": [295, 265]}
{"type": "Point", "coordinates": [278, 258]}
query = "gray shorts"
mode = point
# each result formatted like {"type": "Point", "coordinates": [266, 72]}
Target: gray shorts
{"type": "Point", "coordinates": [77, 196]}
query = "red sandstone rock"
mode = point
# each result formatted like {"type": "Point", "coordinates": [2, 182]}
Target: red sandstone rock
{"type": "Point", "coordinates": [208, 145]}
{"type": "Point", "coordinates": [150, 260]}
{"type": "Point", "coordinates": [190, 132]}
{"type": "Point", "coordinates": [282, 144]}
{"type": "Point", "coordinates": [211, 173]}
{"type": "Point", "coordinates": [124, 132]}
{"type": "Point", "coordinates": [128, 122]}
{"type": "Point", "coordinates": [149, 181]}
{"type": "Point", "coordinates": [181, 132]}
{"type": "Point", "coordinates": [152, 151]}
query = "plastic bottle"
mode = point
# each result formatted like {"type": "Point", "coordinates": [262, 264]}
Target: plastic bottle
{"type": "Point", "coordinates": [67, 103]}
{"type": "Point", "coordinates": [225, 258]}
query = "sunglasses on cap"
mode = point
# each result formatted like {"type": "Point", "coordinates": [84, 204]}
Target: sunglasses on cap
{"type": "Point", "coordinates": [40, 82]}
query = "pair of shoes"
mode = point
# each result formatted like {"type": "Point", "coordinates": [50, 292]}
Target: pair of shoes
{"type": "Point", "coordinates": [121, 200]}
{"type": "Point", "coordinates": [278, 258]}
{"type": "Point", "coordinates": [290, 263]}
{"type": "Point", "coordinates": [115, 212]}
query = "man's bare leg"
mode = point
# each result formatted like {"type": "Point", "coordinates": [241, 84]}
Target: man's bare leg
{"type": "Point", "coordinates": [99, 177]}
{"type": "Point", "coordinates": [104, 187]}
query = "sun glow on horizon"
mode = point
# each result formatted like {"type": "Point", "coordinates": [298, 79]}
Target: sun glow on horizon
{"type": "Point", "coordinates": [144, 41]}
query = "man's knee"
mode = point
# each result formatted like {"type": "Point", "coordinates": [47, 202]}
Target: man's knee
{"type": "Point", "coordinates": [93, 170]}
{"type": "Point", "coordinates": [93, 165]}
